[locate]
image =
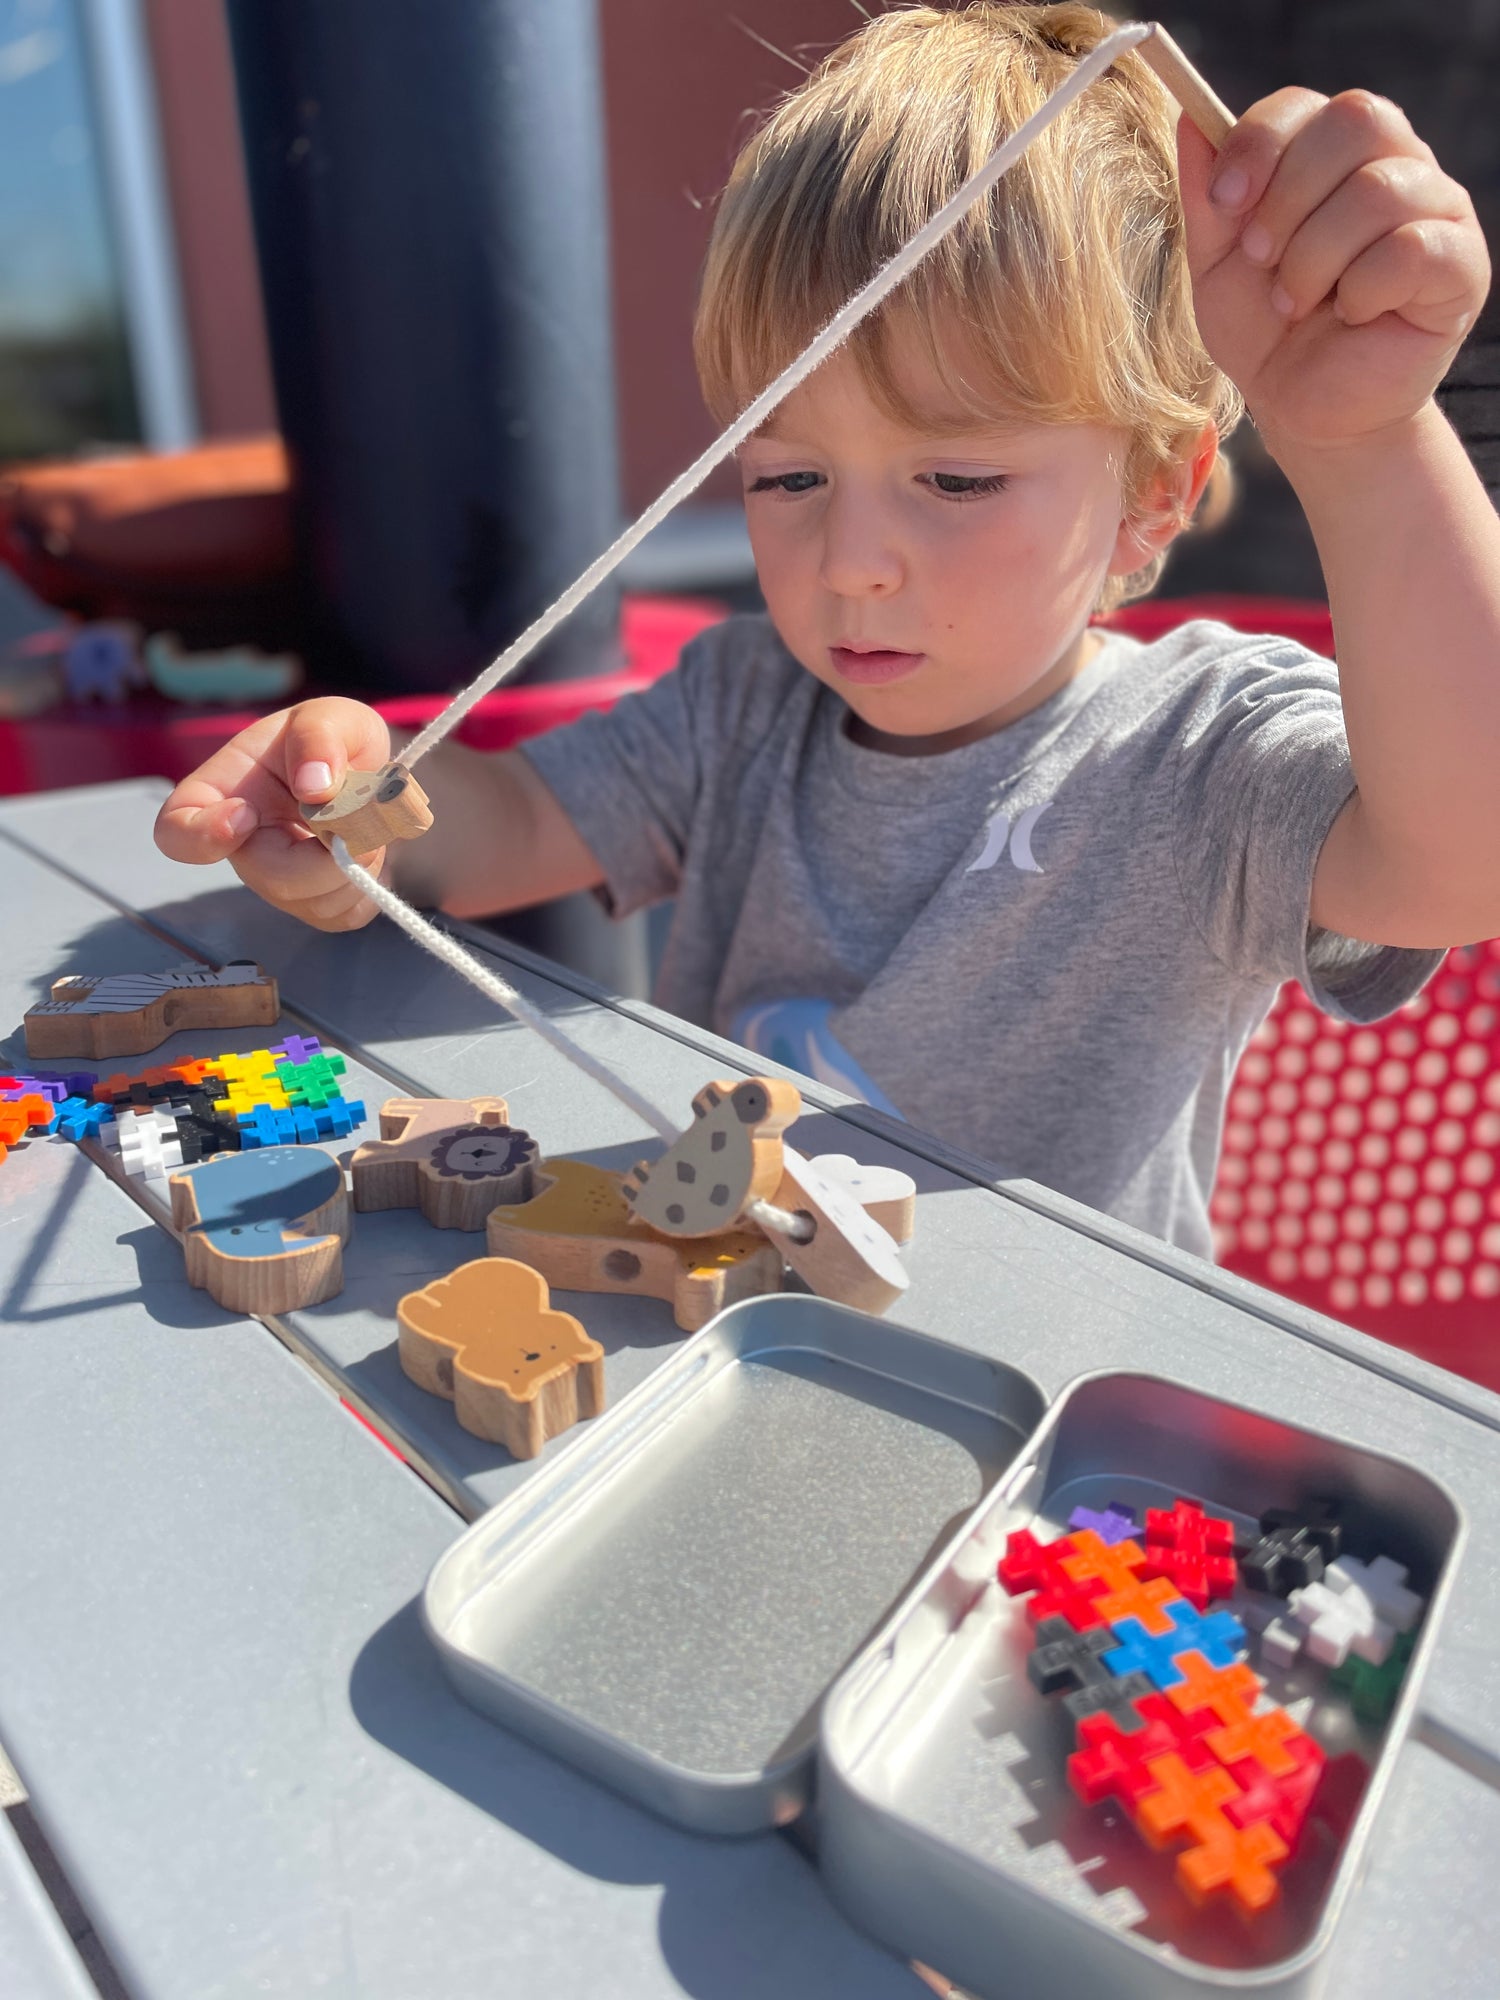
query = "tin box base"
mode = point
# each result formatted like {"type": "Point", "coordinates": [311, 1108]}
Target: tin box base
{"type": "Point", "coordinates": [947, 1827]}
{"type": "Point", "coordinates": [666, 1602]}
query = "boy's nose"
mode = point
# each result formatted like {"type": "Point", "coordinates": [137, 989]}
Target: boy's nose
{"type": "Point", "coordinates": [860, 556]}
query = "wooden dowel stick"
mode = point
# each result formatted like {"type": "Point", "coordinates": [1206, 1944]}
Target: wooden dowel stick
{"type": "Point", "coordinates": [1209, 113]}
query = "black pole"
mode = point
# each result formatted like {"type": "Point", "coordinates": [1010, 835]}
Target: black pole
{"type": "Point", "coordinates": [429, 197]}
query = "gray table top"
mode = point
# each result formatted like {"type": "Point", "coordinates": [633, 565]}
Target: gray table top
{"type": "Point", "coordinates": [37, 1958]}
{"type": "Point", "coordinates": [273, 1790]}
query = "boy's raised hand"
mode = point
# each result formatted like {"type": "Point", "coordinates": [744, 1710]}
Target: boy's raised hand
{"type": "Point", "coordinates": [244, 806]}
{"type": "Point", "coordinates": [1336, 267]}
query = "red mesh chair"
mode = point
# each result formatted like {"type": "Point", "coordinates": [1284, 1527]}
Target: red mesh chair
{"type": "Point", "coordinates": [1359, 1169]}
{"type": "Point", "coordinates": [1359, 1166]}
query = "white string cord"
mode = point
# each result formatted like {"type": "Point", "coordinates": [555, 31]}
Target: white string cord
{"type": "Point", "coordinates": [822, 345]}
{"type": "Point", "coordinates": [452, 954]}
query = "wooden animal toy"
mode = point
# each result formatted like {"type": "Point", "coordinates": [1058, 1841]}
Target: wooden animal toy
{"type": "Point", "coordinates": [886, 1195]}
{"type": "Point", "coordinates": [263, 1232]}
{"type": "Point", "coordinates": [577, 1231]}
{"type": "Point", "coordinates": [238, 674]}
{"type": "Point", "coordinates": [849, 1257]}
{"type": "Point", "coordinates": [486, 1337]}
{"type": "Point", "coordinates": [372, 808]}
{"type": "Point", "coordinates": [127, 1013]}
{"type": "Point", "coordinates": [728, 1157]}
{"type": "Point", "coordinates": [455, 1158]}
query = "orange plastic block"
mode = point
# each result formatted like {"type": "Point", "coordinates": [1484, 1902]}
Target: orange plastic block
{"type": "Point", "coordinates": [18, 1115]}
{"type": "Point", "coordinates": [1265, 1737]}
{"type": "Point", "coordinates": [1094, 1560]}
{"type": "Point", "coordinates": [1220, 1855]}
{"type": "Point", "coordinates": [1146, 1601]}
{"type": "Point", "coordinates": [191, 1073]}
{"type": "Point", "coordinates": [1229, 1693]}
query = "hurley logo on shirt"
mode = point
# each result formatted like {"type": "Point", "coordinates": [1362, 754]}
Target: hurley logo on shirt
{"type": "Point", "coordinates": [1017, 835]}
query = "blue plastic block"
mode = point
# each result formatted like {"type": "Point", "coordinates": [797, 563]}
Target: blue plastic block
{"type": "Point", "coordinates": [81, 1118]}
{"type": "Point", "coordinates": [1219, 1637]}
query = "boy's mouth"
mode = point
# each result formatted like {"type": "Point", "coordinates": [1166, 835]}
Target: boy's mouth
{"type": "Point", "coordinates": [871, 666]}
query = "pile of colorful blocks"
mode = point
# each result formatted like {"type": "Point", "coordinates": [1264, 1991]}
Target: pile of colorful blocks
{"type": "Point", "coordinates": [1171, 1721]}
{"type": "Point", "coordinates": [179, 1113]}
{"type": "Point", "coordinates": [28, 1107]}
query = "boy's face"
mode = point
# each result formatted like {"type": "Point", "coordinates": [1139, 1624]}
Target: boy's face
{"type": "Point", "coordinates": [940, 580]}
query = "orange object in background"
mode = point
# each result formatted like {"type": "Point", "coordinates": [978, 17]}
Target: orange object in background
{"type": "Point", "coordinates": [197, 542]}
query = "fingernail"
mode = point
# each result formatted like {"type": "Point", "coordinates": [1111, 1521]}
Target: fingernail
{"type": "Point", "coordinates": [241, 819]}
{"type": "Point", "coordinates": [309, 778]}
{"type": "Point", "coordinates": [1256, 243]}
{"type": "Point", "coordinates": [1230, 188]}
{"type": "Point", "coordinates": [1283, 301]}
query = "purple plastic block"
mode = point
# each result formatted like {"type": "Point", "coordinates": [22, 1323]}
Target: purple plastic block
{"type": "Point", "coordinates": [297, 1049]}
{"type": "Point", "coordinates": [1115, 1524]}
{"type": "Point", "coordinates": [35, 1086]}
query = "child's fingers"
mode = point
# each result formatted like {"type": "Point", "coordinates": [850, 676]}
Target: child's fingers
{"type": "Point", "coordinates": [323, 739]}
{"type": "Point", "coordinates": [1376, 200]}
{"type": "Point", "coordinates": [294, 871]}
{"type": "Point", "coordinates": [1321, 149]}
{"type": "Point", "coordinates": [1253, 148]}
{"type": "Point", "coordinates": [1430, 273]}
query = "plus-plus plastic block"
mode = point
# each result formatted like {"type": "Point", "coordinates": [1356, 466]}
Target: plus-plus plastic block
{"type": "Point", "coordinates": [1208, 1696]}
{"type": "Point", "coordinates": [1280, 1642]}
{"type": "Point", "coordinates": [1063, 1659]}
{"type": "Point", "coordinates": [78, 1118]}
{"type": "Point", "coordinates": [296, 1049]}
{"type": "Point", "coordinates": [1264, 1737]}
{"type": "Point", "coordinates": [1294, 1547]}
{"type": "Point", "coordinates": [1030, 1565]}
{"type": "Point", "coordinates": [1185, 1525]}
{"type": "Point", "coordinates": [1372, 1690]}
{"type": "Point", "coordinates": [1221, 1856]}
{"type": "Point", "coordinates": [314, 1081]}
{"type": "Point", "coordinates": [14, 1087]}
{"type": "Point", "coordinates": [1338, 1622]}
{"type": "Point", "coordinates": [1093, 1560]}
{"type": "Point", "coordinates": [1148, 1603]}
{"type": "Point", "coordinates": [23, 1115]}
{"type": "Point", "coordinates": [1382, 1583]}
{"type": "Point", "coordinates": [1198, 1575]}
{"type": "Point", "coordinates": [1112, 1524]}
{"type": "Point", "coordinates": [1112, 1760]}
{"type": "Point", "coordinates": [1283, 1801]}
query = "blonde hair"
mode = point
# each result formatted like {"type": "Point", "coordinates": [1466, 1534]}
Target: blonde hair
{"type": "Point", "coordinates": [1062, 298]}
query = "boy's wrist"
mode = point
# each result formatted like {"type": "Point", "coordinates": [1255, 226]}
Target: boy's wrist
{"type": "Point", "coordinates": [1317, 465]}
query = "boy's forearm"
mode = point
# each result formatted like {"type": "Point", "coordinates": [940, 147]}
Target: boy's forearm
{"type": "Point", "coordinates": [1410, 547]}
{"type": "Point", "coordinates": [498, 841]}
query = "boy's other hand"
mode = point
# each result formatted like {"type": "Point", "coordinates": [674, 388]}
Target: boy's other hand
{"type": "Point", "coordinates": [244, 806]}
{"type": "Point", "coordinates": [1336, 267]}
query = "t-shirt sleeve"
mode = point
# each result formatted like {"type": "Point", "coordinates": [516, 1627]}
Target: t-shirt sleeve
{"type": "Point", "coordinates": [1262, 772]}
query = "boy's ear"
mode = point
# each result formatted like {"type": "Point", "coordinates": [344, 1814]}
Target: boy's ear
{"type": "Point", "coordinates": [1167, 508]}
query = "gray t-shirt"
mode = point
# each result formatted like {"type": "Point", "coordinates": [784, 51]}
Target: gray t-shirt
{"type": "Point", "coordinates": [1049, 947]}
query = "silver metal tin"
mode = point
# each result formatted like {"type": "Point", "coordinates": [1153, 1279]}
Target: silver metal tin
{"type": "Point", "coordinates": [946, 1826]}
{"type": "Point", "coordinates": [666, 1600]}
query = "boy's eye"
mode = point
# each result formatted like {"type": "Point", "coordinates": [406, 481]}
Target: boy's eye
{"type": "Point", "coordinates": [787, 482]}
{"type": "Point", "coordinates": [961, 485]}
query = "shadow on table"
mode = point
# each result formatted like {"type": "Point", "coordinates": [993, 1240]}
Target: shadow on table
{"type": "Point", "coordinates": [739, 1920]}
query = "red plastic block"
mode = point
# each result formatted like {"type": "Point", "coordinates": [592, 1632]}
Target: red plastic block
{"type": "Point", "coordinates": [1282, 1802]}
{"type": "Point", "coordinates": [1199, 1577]}
{"type": "Point", "coordinates": [1111, 1762]}
{"type": "Point", "coordinates": [1185, 1526]}
{"type": "Point", "coordinates": [1030, 1565]}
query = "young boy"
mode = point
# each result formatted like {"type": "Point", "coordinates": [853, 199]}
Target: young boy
{"type": "Point", "coordinates": [931, 837]}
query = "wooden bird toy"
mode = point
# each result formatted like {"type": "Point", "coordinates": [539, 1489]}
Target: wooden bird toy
{"type": "Point", "coordinates": [264, 1231]}
{"type": "Point", "coordinates": [577, 1231]}
{"type": "Point", "coordinates": [127, 1013]}
{"type": "Point", "coordinates": [372, 808]}
{"type": "Point", "coordinates": [849, 1257]}
{"type": "Point", "coordinates": [455, 1158]}
{"type": "Point", "coordinates": [487, 1338]}
{"type": "Point", "coordinates": [728, 1157]}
